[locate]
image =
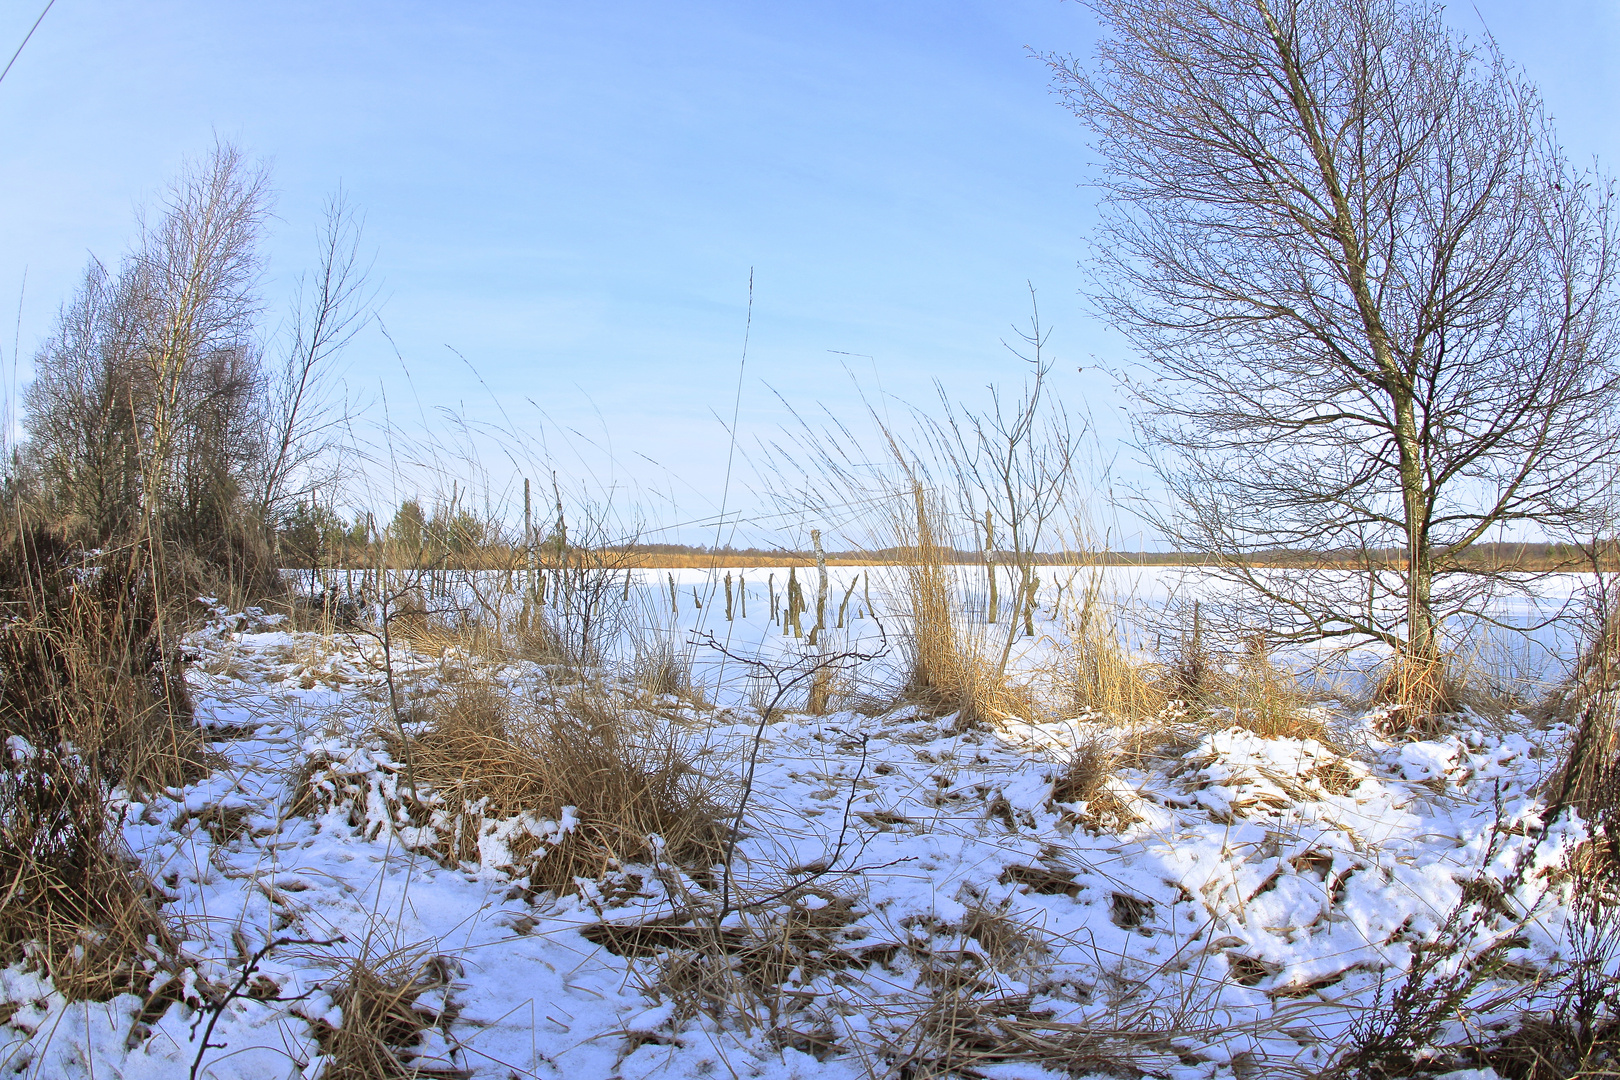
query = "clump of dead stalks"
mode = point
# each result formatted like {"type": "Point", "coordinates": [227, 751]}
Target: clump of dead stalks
{"type": "Point", "coordinates": [1086, 782]}
{"type": "Point", "coordinates": [1098, 676]}
{"type": "Point", "coordinates": [1420, 694]}
{"type": "Point", "coordinates": [87, 659]}
{"type": "Point", "coordinates": [90, 697]}
{"type": "Point", "coordinates": [1589, 776]}
{"type": "Point", "coordinates": [392, 1004]}
{"type": "Point", "coordinates": [948, 672]}
{"type": "Point", "coordinates": [1269, 700]}
{"type": "Point", "coordinates": [571, 787]}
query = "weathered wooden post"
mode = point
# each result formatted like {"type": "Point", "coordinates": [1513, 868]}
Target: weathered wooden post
{"type": "Point", "coordinates": [845, 605]}
{"type": "Point", "coordinates": [821, 587]}
{"type": "Point", "coordinates": [795, 604]}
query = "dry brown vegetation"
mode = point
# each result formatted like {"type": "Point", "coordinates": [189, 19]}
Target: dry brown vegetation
{"type": "Point", "coordinates": [388, 1001]}
{"type": "Point", "coordinates": [586, 753]}
{"type": "Point", "coordinates": [949, 668]}
{"type": "Point", "coordinates": [1097, 675]}
{"type": "Point", "coordinates": [90, 697]}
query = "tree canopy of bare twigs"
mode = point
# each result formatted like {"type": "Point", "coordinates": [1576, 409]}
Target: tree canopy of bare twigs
{"type": "Point", "coordinates": [152, 413]}
{"type": "Point", "coordinates": [331, 306]}
{"type": "Point", "coordinates": [1373, 300]}
{"type": "Point", "coordinates": [1017, 462]}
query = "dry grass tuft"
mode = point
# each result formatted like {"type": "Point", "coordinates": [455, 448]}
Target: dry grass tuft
{"type": "Point", "coordinates": [1269, 701]}
{"type": "Point", "coordinates": [970, 1023]}
{"type": "Point", "coordinates": [751, 971]}
{"type": "Point", "coordinates": [77, 908]}
{"type": "Point", "coordinates": [606, 779]}
{"type": "Point", "coordinates": [1099, 678]}
{"type": "Point", "coordinates": [390, 1003]}
{"type": "Point", "coordinates": [662, 669]}
{"type": "Point", "coordinates": [1422, 694]}
{"type": "Point", "coordinates": [1013, 947]}
{"type": "Point", "coordinates": [947, 672]}
{"type": "Point", "coordinates": [1590, 699]}
{"type": "Point", "coordinates": [1085, 781]}
{"type": "Point", "coordinates": [1589, 776]}
{"type": "Point", "coordinates": [1190, 670]}
{"type": "Point", "coordinates": [536, 639]}
{"type": "Point", "coordinates": [85, 658]}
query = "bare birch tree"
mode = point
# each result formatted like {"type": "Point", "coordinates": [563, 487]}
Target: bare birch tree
{"type": "Point", "coordinates": [198, 271]}
{"type": "Point", "coordinates": [1373, 300]}
{"type": "Point", "coordinates": [1019, 459]}
{"type": "Point", "coordinates": [151, 415]}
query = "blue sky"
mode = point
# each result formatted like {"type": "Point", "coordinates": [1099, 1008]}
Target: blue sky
{"type": "Point", "coordinates": [572, 195]}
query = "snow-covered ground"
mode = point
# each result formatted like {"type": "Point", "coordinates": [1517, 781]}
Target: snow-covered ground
{"type": "Point", "coordinates": [1245, 906]}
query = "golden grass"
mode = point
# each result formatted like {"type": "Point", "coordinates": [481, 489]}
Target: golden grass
{"type": "Point", "coordinates": [1097, 676]}
{"type": "Point", "coordinates": [1084, 780]}
{"type": "Point", "coordinates": [621, 778]}
{"type": "Point", "coordinates": [1420, 694]}
{"type": "Point", "coordinates": [1267, 700]}
{"type": "Point", "coordinates": [948, 670]}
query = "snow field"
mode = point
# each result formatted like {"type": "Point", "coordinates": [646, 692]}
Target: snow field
{"type": "Point", "coordinates": [911, 898]}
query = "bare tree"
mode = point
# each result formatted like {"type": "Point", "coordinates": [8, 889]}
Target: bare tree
{"type": "Point", "coordinates": [151, 414]}
{"type": "Point", "coordinates": [82, 444]}
{"type": "Point", "coordinates": [147, 407]}
{"type": "Point", "coordinates": [197, 273]}
{"type": "Point", "coordinates": [331, 306]}
{"type": "Point", "coordinates": [1018, 459]}
{"type": "Point", "coordinates": [1373, 299]}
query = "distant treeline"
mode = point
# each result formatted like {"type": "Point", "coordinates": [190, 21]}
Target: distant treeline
{"type": "Point", "coordinates": [457, 544]}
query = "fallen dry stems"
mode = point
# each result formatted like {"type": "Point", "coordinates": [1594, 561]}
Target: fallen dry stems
{"type": "Point", "coordinates": [390, 1002]}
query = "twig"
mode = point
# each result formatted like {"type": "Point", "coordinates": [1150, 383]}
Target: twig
{"type": "Point", "coordinates": [251, 965]}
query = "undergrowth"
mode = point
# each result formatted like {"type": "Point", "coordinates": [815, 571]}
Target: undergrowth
{"type": "Point", "coordinates": [91, 697]}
